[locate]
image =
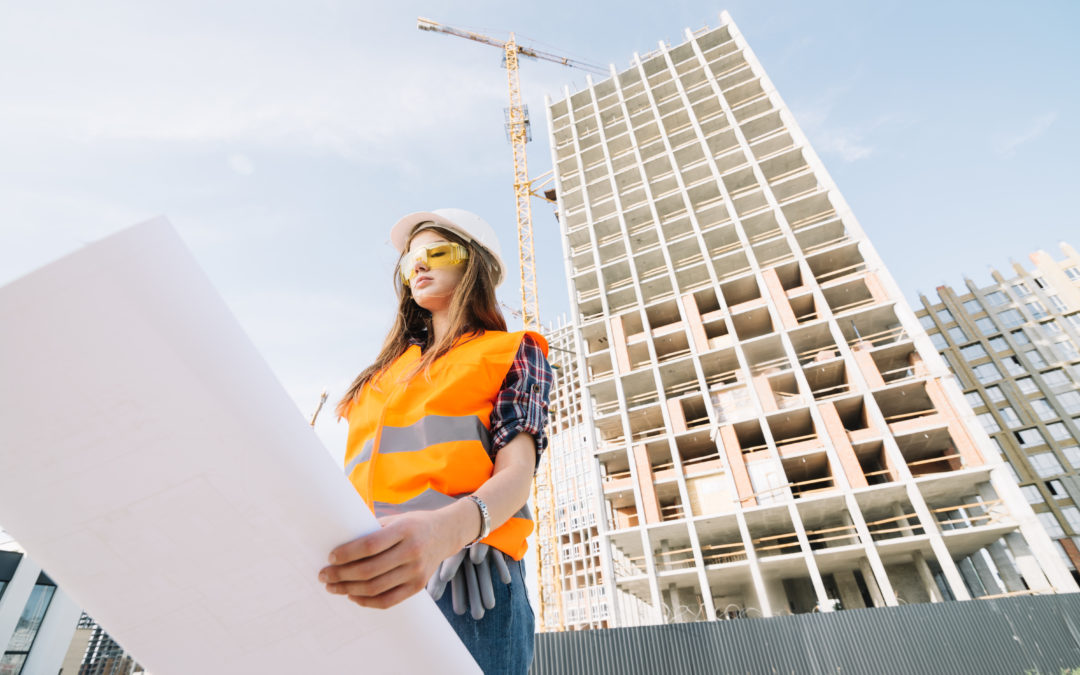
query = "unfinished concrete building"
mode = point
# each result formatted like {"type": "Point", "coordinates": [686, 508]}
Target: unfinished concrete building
{"type": "Point", "coordinates": [572, 573]}
{"type": "Point", "coordinates": [1013, 346]}
{"type": "Point", "coordinates": [570, 570]}
{"type": "Point", "coordinates": [772, 429]}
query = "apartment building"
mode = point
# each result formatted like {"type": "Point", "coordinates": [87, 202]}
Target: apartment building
{"type": "Point", "coordinates": [771, 429]}
{"type": "Point", "coordinates": [1014, 346]}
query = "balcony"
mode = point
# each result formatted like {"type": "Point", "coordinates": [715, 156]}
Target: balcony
{"type": "Point", "coordinates": [814, 345]}
{"type": "Point", "coordinates": [908, 408]}
{"type": "Point", "coordinates": [827, 378]}
{"type": "Point", "coordinates": [929, 452]}
{"type": "Point", "coordinates": [772, 532]}
{"type": "Point", "coordinates": [721, 541]}
{"type": "Point", "coordinates": [794, 433]}
{"type": "Point", "coordinates": [836, 264]}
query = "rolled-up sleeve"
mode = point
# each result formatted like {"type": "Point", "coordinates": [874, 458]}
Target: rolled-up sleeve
{"type": "Point", "coordinates": [522, 403]}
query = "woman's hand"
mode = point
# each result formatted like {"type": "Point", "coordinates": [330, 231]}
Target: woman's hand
{"type": "Point", "coordinates": [391, 564]}
{"type": "Point", "coordinates": [387, 566]}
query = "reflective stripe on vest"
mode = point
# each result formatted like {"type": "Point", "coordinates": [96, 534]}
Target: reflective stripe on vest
{"type": "Point", "coordinates": [421, 444]}
{"type": "Point", "coordinates": [426, 431]}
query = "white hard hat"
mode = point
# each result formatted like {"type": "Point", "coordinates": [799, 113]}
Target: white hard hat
{"type": "Point", "coordinates": [465, 224]}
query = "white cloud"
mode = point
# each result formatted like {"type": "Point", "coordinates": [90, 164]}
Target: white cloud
{"type": "Point", "coordinates": [241, 164]}
{"type": "Point", "coordinates": [844, 143]}
{"type": "Point", "coordinates": [124, 76]}
{"type": "Point", "coordinates": [1008, 145]}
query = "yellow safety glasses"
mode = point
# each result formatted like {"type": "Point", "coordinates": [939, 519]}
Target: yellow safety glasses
{"type": "Point", "coordinates": [434, 256]}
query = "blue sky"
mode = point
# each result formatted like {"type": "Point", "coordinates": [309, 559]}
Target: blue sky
{"type": "Point", "coordinates": [283, 139]}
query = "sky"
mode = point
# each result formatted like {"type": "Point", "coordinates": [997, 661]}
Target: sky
{"type": "Point", "coordinates": [283, 139]}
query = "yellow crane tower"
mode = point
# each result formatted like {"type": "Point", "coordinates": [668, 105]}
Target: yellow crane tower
{"type": "Point", "coordinates": [517, 124]}
{"type": "Point", "coordinates": [517, 127]}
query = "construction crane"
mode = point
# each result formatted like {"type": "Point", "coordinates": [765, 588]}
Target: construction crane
{"type": "Point", "coordinates": [517, 128]}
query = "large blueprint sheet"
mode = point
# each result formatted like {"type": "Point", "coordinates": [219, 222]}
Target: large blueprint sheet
{"type": "Point", "coordinates": [153, 465]}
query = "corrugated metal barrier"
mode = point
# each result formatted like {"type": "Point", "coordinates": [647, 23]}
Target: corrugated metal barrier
{"type": "Point", "coordinates": [1021, 635]}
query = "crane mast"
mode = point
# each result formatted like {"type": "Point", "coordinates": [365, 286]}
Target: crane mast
{"type": "Point", "coordinates": [519, 135]}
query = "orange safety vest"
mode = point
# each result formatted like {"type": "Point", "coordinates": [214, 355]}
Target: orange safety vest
{"type": "Point", "coordinates": [422, 444]}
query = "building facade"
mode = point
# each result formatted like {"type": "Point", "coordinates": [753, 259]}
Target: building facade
{"type": "Point", "coordinates": [37, 619]}
{"type": "Point", "coordinates": [101, 654]}
{"type": "Point", "coordinates": [1014, 346]}
{"type": "Point", "coordinates": [571, 576]}
{"type": "Point", "coordinates": [572, 567]}
{"type": "Point", "coordinates": [772, 430]}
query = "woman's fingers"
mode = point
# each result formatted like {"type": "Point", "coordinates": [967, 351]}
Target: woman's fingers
{"type": "Point", "coordinates": [362, 570]}
{"type": "Point", "coordinates": [387, 599]}
{"type": "Point", "coordinates": [402, 556]}
{"type": "Point", "coordinates": [366, 546]}
{"type": "Point", "coordinates": [377, 585]}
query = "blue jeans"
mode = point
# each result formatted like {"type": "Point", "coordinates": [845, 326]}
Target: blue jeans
{"type": "Point", "coordinates": [502, 641]}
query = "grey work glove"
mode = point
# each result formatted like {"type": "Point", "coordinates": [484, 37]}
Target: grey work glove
{"type": "Point", "coordinates": [469, 574]}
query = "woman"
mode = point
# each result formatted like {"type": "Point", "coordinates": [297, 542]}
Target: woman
{"type": "Point", "coordinates": [445, 429]}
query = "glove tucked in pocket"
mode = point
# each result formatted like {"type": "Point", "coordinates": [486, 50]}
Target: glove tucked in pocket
{"type": "Point", "coordinates": [469, 574]}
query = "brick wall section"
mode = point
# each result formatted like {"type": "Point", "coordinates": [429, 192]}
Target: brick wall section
{"type": "Point", "coordinates": [779, 297]}
{"type": "Point", "coordinates": [738, 467]}
{"type": "Point", "coordinates": [650, 504]}
{"type": "Point", "coordinates": [834, 427]}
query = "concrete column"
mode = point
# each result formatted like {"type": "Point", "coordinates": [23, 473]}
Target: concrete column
{"type": "Point", "coordinates": [850, 596]}
{"type": "Point", "coordinates": [1000, 557]}
{"type": "Point", "coordinates": [663, 556]}
{"type": "Point", "coordinates": [778, 601]}
{"type": "Point", "coordinates": [971, 578]}
{"type": "Point", "coordinates": [871, 583]}
{"type": "Point", "coordinates": [849, 462]}
{"type": "Point", "coordinates": [739, 474]}
{"type": "Point", "coordinates": [694, 323]}
{"type": "Point", "coordinates": [986, 575]}
{"type": "Point", "coordinates": [1026, 562]}
{"type": "Point", "coordinates": [650, 504]}
{"type": "Point", "coordinates": [904, 524]}
{"type": "Point", "coordinates": [927, 577]}
{"type": "Point", "coordinates": [779, 298]}
{"type": "Point", "coordinates": [673, 602]}
{"type": "Point", "coordinates": [618, 345]}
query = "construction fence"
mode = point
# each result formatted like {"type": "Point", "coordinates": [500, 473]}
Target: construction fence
{"type": "Point", "coordinates": [1025, 635]}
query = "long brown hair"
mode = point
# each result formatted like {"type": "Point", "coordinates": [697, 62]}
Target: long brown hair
{"type": "Point", "coordinates": [473, 308]}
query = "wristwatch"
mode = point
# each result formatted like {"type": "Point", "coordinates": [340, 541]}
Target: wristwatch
{"type": "Point", "coordinates": [485, 520]}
